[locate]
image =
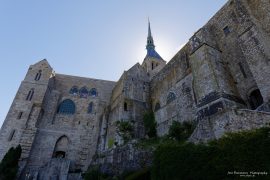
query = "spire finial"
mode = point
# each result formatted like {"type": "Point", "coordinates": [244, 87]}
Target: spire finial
{"type": "Point", "coordinates": [150, 44]}
{"type": "Point", "coordinates": [149, 28]}
{"type": "Point", "coordinates": [150, 41]}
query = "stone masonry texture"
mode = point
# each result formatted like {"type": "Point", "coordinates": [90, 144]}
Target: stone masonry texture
{"type": "Point", "coordinates": [218, 80]}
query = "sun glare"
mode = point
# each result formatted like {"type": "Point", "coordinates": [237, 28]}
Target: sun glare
{"type": "Point", "coordinates": [165, 48]}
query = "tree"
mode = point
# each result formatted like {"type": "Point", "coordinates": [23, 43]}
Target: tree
{"type": "Point", "coordinates": [150, 124]}
{"type": "Point", "coordinates": [181, 131]}
{"type": "Point", "coordinates": [125, 130]}
{"type": "Point", "coordinates": [9, 164]}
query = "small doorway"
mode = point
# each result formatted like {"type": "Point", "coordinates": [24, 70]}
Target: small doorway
{"type": "Point", "coordinates": [60, 154]}
{"type": "Point", "coordinates": [61, 147]}
{"type": "Point", "coordinates": [255, 99]}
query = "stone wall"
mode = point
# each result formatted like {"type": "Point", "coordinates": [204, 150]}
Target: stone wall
{"type": "Point", "coordinates": [243, 43]}
{"type": "Point", "coordinates": [233, 120]}
{"type": "Point", "coordinates": [174, 78]}
{"type": "Point", "coordinates": [133, 90]}
{"type": "Point", "coordinates": [19, 126]}
{"type": "Point", "coordinates": [36, 124]}
{"type": "Point", "coordinates": [210, 81]}
{"type": "Point", "coordinates": [152, 66]}
{"type": "Point", "coordinates": [228, 57]}
{"type": "Point", "coordinates": [81, 128]}
{"type": "Point", "coordinates": [127, 158]}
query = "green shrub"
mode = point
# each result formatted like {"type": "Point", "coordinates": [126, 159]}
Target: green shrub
{"type": "Point", "coordinates": [236, 152]}
{"type": "Point", "coordinates": [150, 124]}
{"type": "Point", "coordinates": [125, 130]}
{"type": "Point", "coordinates": [9, 164]}
{"type": "Point", "coordinates": [93, 173]}
{"type": "Point", "coordinates": [143, 174]}
{"type": "Point", "coordinates": [110, 143]}
{"type": "Point", "coordinates": [181, 131]}
{"type": "Point", "coordinates": [149, 143]}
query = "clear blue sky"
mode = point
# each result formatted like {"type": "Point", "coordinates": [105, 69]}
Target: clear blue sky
{"type": "Point", "coordinates": [98, 39]}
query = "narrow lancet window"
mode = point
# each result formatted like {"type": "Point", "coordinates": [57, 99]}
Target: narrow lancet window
{"type": "Point", "coordinates": [38, 75]}
{"type": "Point", "coordinates": [30, 95]}
{"type": "Point", "coordinates": [11, 135]}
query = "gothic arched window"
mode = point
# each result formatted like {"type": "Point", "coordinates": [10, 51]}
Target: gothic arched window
{"type": "Point", "coordinates": [30, 95]}
{"type": "Point", "coordinates": [66, 107]}
{"type": "Point", "coordinates": [157, 106]}
{"type": "Point", "coordinates": [83, 92]}
{"type": "Point", "coordinates": [90, 107]}
{"type": "Point", "coordinates": [171, 97]}
{"type": "Point", "coordinates": [93, 92]}
{"type": "Point", "coordinates": [38, 75]}
{"type": "Point", "coordinates": [74, 90]}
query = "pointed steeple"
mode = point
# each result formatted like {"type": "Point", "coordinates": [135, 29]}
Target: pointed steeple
{"type": "Point", "coordinates": [150, 41]}
{"type": "Point", "coordinates": [149, 29]}
{"type": "Point", "coordinates": [150, 44]}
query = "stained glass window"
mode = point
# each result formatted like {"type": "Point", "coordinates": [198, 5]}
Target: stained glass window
{"type": "Point", "coordinates": [83, 92]}
{"type": "Point", "coordinates": [93, 92]}
{"type": "Point", "coordinates": [66, 107]}
{"type": "Point", "coordinates": [74, 90]}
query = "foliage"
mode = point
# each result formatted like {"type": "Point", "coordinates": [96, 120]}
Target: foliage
{"type": "Point", "coordinates": [98, 155]}
{"type": "Point", "coordinates": [236, 152]}
{"type": "Point", "coordinates": [93, 173]}
{"type": "Point", "coordinates": [110, 143]}
{"type": "Point", "coordinates": [9, 164]}
{"type": "Point", "coordinates": [181, 131]}
{"type": "Point", "coordinates": [143, 174]}
{"type": "Point", "coordinates": [149, 143]}
{"type": "Point", "coordinates": [150, 124]}
{"type": "Point", "coordinates": [153, 143]}
{"type": "Point", "coordinates": [125, 130]}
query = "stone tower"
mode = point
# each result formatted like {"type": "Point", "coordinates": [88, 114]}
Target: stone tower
{"type": "Point", "coordinates": [20, 124]}
{"type": "Point", "coordinates": [131, 97]}
{"type": "Point", "coordinates": [153, 62]}
{"type": "Point", "coordinates": [214, 88]}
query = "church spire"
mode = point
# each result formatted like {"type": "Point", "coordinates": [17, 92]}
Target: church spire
{"type": "Point", "coordinates": [151, 52]}
{"type": "Point", "coordinates": [150, 41]}
{"type": "Point", "coordinates": [149, 29]}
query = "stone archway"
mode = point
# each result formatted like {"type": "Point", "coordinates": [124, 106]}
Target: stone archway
{"type": "Point", "coordinates": [61, 147]}
{"type": "Point", "coordinates": [255, 99]}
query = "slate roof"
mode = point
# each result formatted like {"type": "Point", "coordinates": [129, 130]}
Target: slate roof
{"type": "Point", "coordinates": [151, 52]}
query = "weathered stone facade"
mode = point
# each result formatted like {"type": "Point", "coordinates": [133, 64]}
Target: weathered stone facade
{"type": "Point", "coordinates": [219, 79]}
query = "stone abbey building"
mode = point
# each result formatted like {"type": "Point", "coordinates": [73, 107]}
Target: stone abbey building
{"type": "Point", "coordinates": [219, 79]}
